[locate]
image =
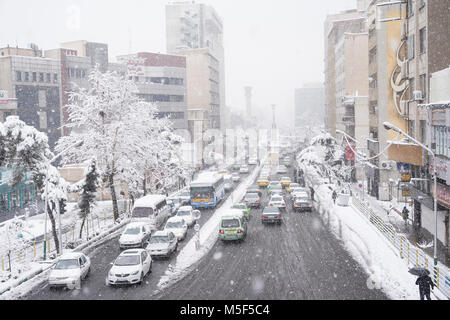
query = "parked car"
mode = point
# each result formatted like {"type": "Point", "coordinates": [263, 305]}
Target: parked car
{"type": "Point", "coordinates": [178, 226]}
{"type": "Point", "coordinates": [162, 244]}
{"type": "Point", "coordinates": [271, 215]}
{"type": "Point", "coordinates": [303, 202]}
{"type": "Point", "coordinates": [277, 201]}
{"type": "Point", "coordinates": [281, 169]}
{"type": "Point", "coordinates": [70, 270]}
{"type": "Point", "coordinates": [135, 235]}
{"type": "Point", "coordinates": [187, 213]}
{"type": "Point", "coordinates": [130, 267]}
{"type": "Point", "coordinates": [243, 169]}
{"type": "Point", "coordinates": [245, 209]}
{"type": "Point", "coordinates": [232, 228]}
{"type": "Point", "coordinates": [254, 189]}
{"type": "Point", "coordinates": [252, 200]}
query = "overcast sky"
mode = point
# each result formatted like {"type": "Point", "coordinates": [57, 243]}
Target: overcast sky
{"type": "Point", "coordinates": [271, 45]}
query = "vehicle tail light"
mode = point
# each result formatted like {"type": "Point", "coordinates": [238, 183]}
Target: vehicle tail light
{"type": "Point", "coordinates": [271, 205]}
{"type": "Point", "coordinates": [257, 201]}
{"type": "Point", "coordinates": [278, 217]}
{"type": "Point", "coordinates": [221, 232]}
{"type": "Point", "coordinates": [264, 217]}
{"type": "Point", "coordinates": [240, 231]}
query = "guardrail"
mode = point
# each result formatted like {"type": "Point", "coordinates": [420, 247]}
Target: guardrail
{"type": "Point", "coordinates": [407, 251]}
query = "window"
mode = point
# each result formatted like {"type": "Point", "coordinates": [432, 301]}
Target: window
{"type": "Point", "coordinates": [48, 77]}
{"type": "Point", "coordinates": [410, 8]}
{"type": "Point", "coordinates": [423, 134]}
{"type": "Point", "coordinates": [34, 76]}
{"type": "Point", "coordinates": [72, 72]}
{"type": "Point", "coordinates": [422, 4]}
{"type": "Point", "coordinates": [440, 136]}
{"type": "Point", "coordinates": [411, 128]}
{"type": "Point", "coordinates": [27, 76]}
{"type": "Point", "coordinates": [411, 88]}
{"type": "Point", "coordinates": [423, 40]}
{"type": "Point", "coordinates": [41, 77]}
{"type": "Point", "coordinates": [55, 77]}
{"type": "Point", "coordinates": [411, 46]}
{"type": "Point", "coordinates": [423, 85]}
{"type": "Point", "coordinates": [83, 73]}
{"type": "Point", "coordinates": [78, 73]}
{"type": "Point", "coordinates": [18, 75]}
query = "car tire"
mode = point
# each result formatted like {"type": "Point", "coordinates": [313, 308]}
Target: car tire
{"type": "Point", "coordinates": [88, 273]}
{"type": "Point", "coordinates": [141, 281]}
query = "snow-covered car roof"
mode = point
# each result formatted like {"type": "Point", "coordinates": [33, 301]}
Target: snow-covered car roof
{"type": "Point", "coordinates": [185, 208]}
{"type": "Point", "coordinates": [149, 201]}
{"type": "Point", "coordinates": [70, 255]}
{"type": "Point", "coordinates": [131, 252]}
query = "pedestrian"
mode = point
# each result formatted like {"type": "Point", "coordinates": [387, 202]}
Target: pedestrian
{"type": "Point", "coordinates": [424, 282]}
{"type": "Point", "coordinates": [405, 215]}
{"type": "Point", "coordinates": [312, 193]}
{"type": "Point", "coordinates": [334, 196]}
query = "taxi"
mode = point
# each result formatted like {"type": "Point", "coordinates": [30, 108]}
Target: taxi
{"type": "Point", "coordinates": [285, 182]}
{"type": "Point", "coordinates": [291, 187]}
{"type": "Point", "coordinates": [263, 182]}
{"type": "Point", "coordinates": [232, 228]}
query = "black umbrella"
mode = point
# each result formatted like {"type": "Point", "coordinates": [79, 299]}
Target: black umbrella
{"type": "Point", "coordinates": [417, 271]}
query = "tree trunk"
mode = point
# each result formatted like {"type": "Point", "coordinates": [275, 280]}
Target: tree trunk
{"type": "Point", "coordinates": [82, 226]}
{"type": "Point", "coordinates": [55, 234]}
{"type": "Point", "coordinates": [113, 196]}
{"type": "Point", "coordinates": [145, 186]}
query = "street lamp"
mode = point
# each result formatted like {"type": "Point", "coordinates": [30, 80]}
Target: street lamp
{"type": "Point", "coordinates": [389, 126]}
{"type": "Point", "coordinates": [57, 205]}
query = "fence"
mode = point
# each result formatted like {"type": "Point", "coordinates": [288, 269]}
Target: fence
{"type": "Point", "coordinates": [407, 251]}
{"type": "Point", "coordinates": [32, 250]}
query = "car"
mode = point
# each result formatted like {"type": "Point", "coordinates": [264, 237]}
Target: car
{"type": "Point", "coordinates": [277, 201]}
{"type": "Point", "coordinates": [178, 226]}
{"type": "Point", "coordinates": [298, 193]}
{"type": "Point", "coordinates": [70, 270]}
{"type": "Point", "coordinates": [254, 189]}
{"type": "Point", "coordinates": [275, 187]}
{"type": "Point", "coordinates": [293, 185]}
{"type": "Point", "coordinates": [243, 169]}
{"type": "Point", "coordinates": [302, 203]}
{"type": "Point", "coordinates": [285, 182]}
{"type": "Point", "coordinates": [232, 227]}
{"type": "Point", "coordinates": [224, 172]}
{"type": "Point", "coordinates": [235, 177]}
{"type": "Point", "coordinates": [187, 213]}
{"type": "Point", "coordinates": [185, 197]}
{"type": "Point", "coordinates": [130, 267]}
{"type": "Point", "coordinates": [271, 215]}
{"type": "Point", "coordinates": [279, 193]}
{"type": "Point", "coordinates": [252, 200]}
{"type": "Point", "coordinates": [228, 183]}
{"type": "Point", "coordinates": [281, 169]}
{"type": "Point", "coordinates": [245, 209]}
{"type": "Point", "coordinates": [135, 235]}
{"type": "Point", "coordinates": [253, 161]}
{"type": "Point", "coordinates": [174, 203]}
{"type": "Point", "coordinates": [236, 166]}
{"type": "Point", "coordinates": [262, 181]}
{"type": "Point", "coordinates": [162, 244]}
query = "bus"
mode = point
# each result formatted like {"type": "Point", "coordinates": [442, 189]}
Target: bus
{"type": "Point", "coordinates": [207, 190]}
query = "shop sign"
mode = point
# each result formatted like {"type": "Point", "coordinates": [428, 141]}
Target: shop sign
{"type": "Point", "coordinates": [442, 169]}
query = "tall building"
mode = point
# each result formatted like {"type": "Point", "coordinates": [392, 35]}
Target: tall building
{"type": "Point", "coordinates": [309, 104]}
{"type": "Point", "coordinates": [196, 30]}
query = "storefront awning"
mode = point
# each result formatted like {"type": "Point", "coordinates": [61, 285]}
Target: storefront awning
{"type": "Point", "coordinates": [407, 153]}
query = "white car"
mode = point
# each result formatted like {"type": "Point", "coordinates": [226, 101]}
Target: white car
{"type": "Point", "coordinates": [70, 269]}
{"type": "Point", "coordinates": [130, 267]}
{"type": "Point", "coordinates": [235, 177]}
{"type": "Point", "coordinates": [185, 196]}
{"type": "Point", "coordinates": [282, 169]}
{"type": "Point", "coordinates": [277, 201]}
{"type": "Point", "coordinates": [162, 244]}
{"type": "Point", "coordinates": [178, 226]}
{"type": "Point", "coordinates": [187, 213]}
{"type": "Point", "coordinates": [243, 169]}
{"type": "Point", "coordinates": [135, 235]}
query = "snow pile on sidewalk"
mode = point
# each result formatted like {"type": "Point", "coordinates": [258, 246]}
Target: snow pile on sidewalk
{"type": "Point", "coordinates": [209, 234]}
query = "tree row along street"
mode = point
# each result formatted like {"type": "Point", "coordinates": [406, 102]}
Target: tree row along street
{"type": "Point", "coordinates": [299, 259]}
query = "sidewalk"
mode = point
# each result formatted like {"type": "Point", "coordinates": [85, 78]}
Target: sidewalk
{"type": "Point", "coordinates": [390, 211]}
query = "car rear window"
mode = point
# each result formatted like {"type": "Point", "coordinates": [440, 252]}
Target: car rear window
{"type": "Point", "coordinates": [230, 223]}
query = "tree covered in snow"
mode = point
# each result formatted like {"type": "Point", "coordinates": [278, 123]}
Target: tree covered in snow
{"type": "Point", "coordinates": [121, 131]}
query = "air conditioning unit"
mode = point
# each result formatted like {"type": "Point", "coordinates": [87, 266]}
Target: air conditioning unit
{"type": "Point", "coordinates": [404, 32]}
{"type": "Point", "coordinates": [404, 69]}
{"type": "Point", "coordinates": [386, 165]}
{"type": "Point", "coordinates": [417, 95]}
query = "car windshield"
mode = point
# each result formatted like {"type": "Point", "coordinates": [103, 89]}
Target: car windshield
{"type": "Point", "coordinates": [133, 230]}
{"type": "Point", "coordinates": [230, 223]}
{"type": "Point", "coordinates": [127, 260]}
{"type": "Point", "coordinates": [174, 225]}
{"type": "Point", "coordinates": [239, 206]}
{"type": "Point", "coordinates": [159, 239]}
{"type": "Point", "coordinates": [184, 213]}
{"type": "Point", "coordinates": [67, 264]}
{"type": "Point", "coordinates": [271, 210]}
{"type": "Point", "coordinates": [276, 199]}
{"type": "Point", "coordinates": [252, 196]}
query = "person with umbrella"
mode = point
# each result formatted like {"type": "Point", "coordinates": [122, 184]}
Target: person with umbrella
{"type": "Point", "coordinates": [423, 281]}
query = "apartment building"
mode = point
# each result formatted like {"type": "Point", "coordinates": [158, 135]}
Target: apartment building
{"type": "Point", "coordinates": [309, 104]}
{"type": "Point", "coordinates": [196, 30]}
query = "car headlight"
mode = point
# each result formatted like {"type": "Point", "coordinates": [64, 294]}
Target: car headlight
{"type": "Point", "coordinates": [135, 273]}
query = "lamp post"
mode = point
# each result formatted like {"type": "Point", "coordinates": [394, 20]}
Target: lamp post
{"type": "Point", "coordinates": [56, 204]}
{"type": "Point", "coordinates": [390, 126]}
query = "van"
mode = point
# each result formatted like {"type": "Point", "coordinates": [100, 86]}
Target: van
{"type": "Point", "coordinates": [152, 209]}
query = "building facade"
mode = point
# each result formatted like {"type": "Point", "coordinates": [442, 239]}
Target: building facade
{"type": "Point", "coordinates": [309, 104]}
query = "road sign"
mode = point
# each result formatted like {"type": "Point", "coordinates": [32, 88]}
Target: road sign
{"type": "Point", "coordinates": [197, 227]}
